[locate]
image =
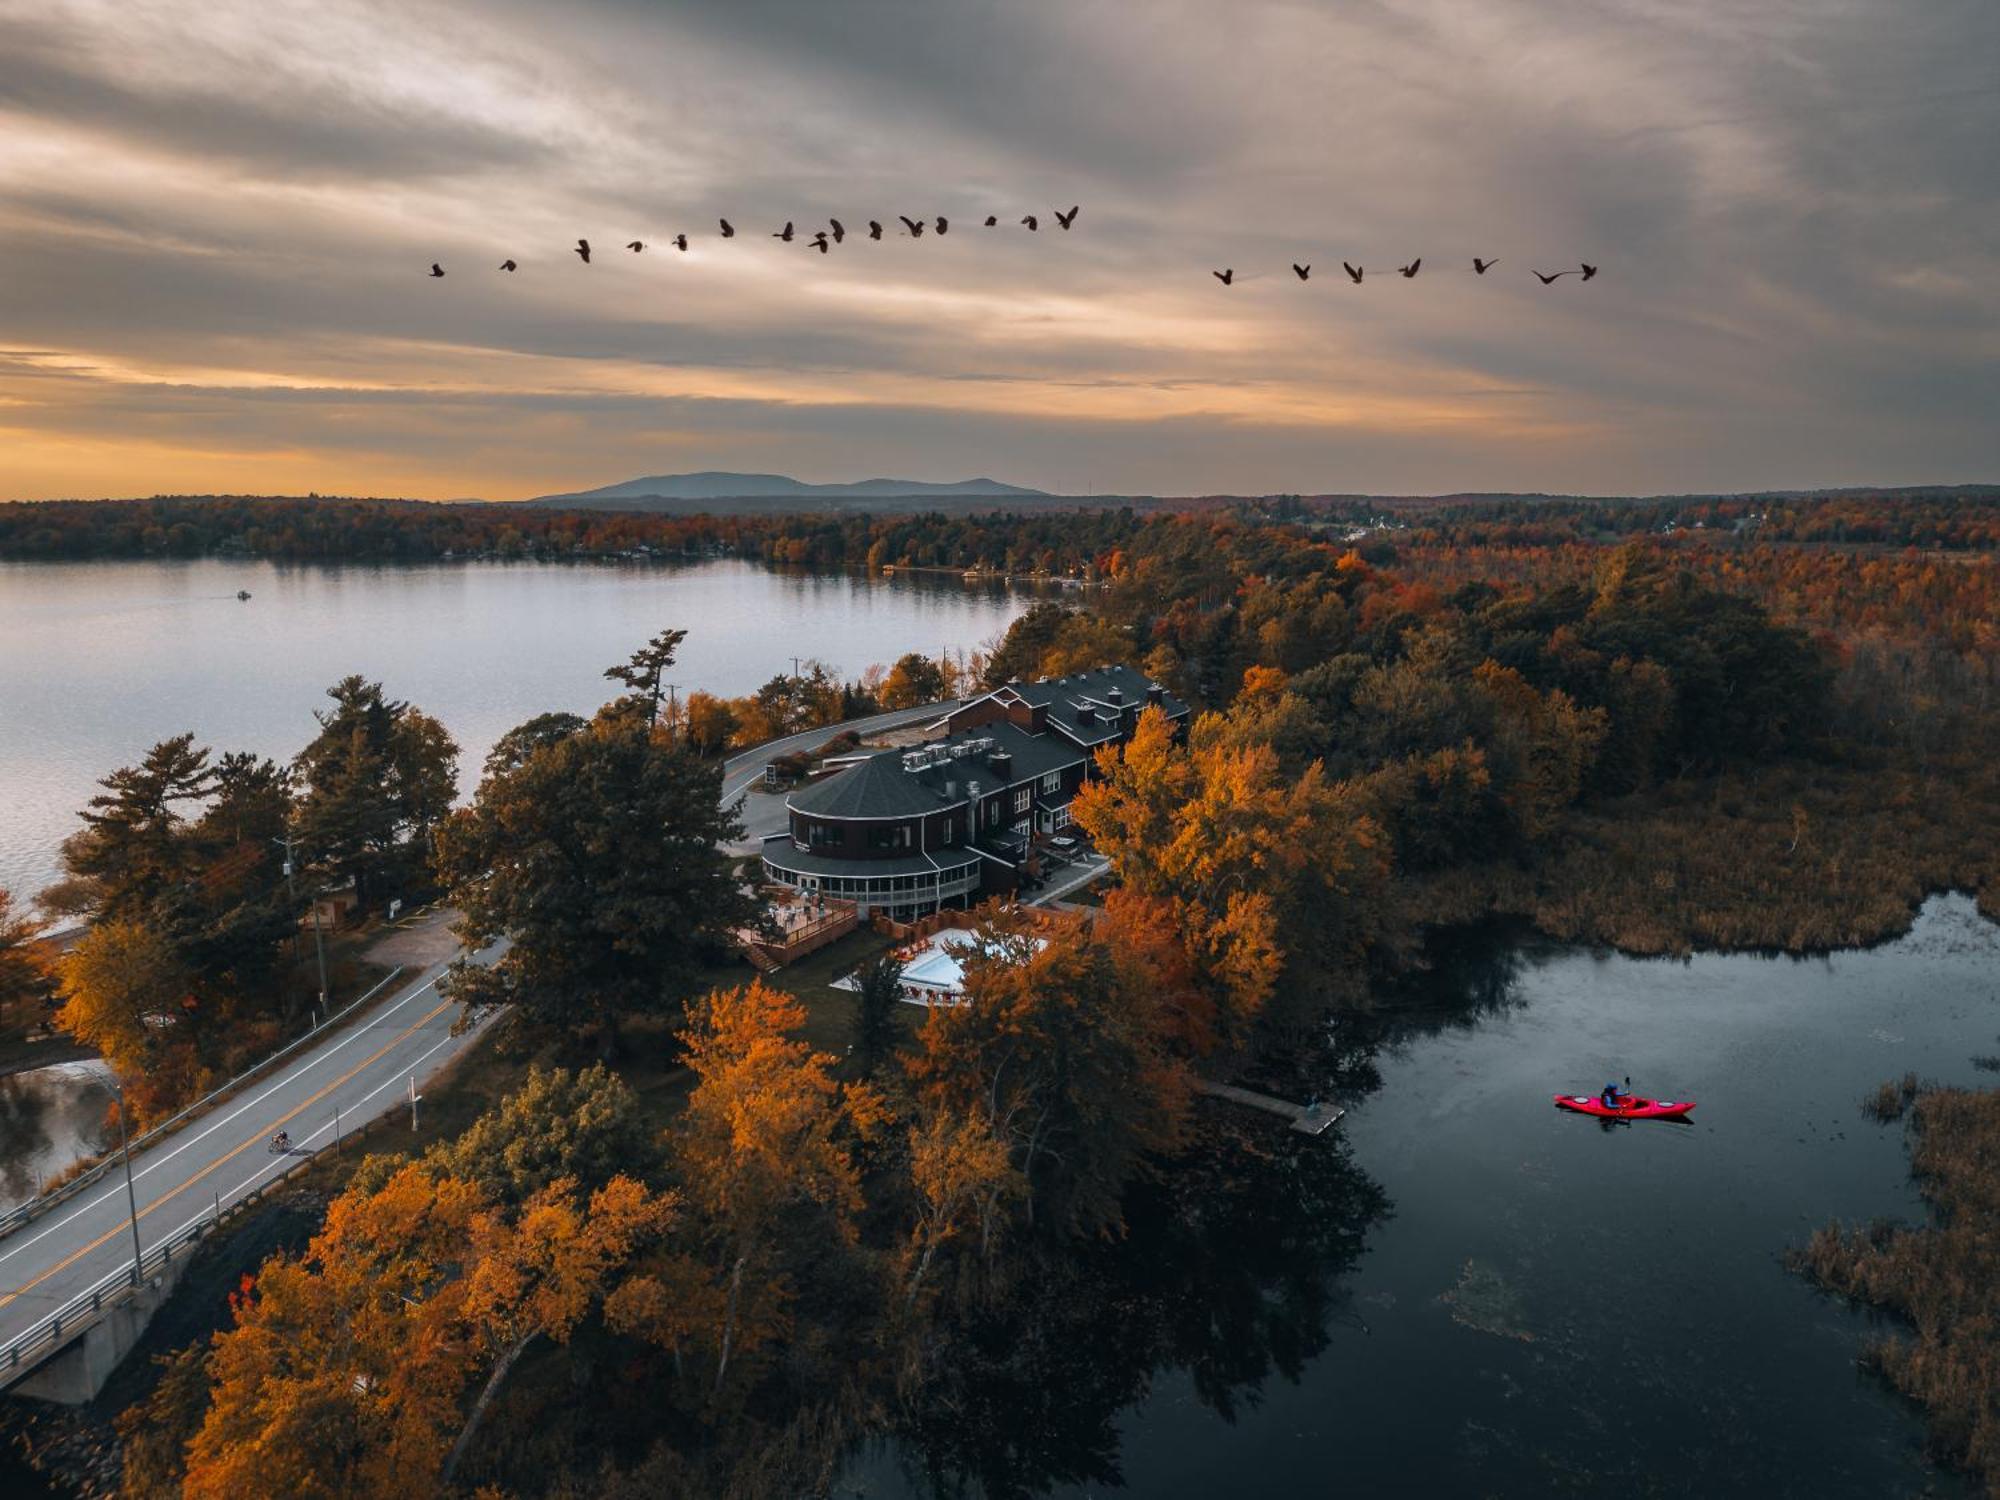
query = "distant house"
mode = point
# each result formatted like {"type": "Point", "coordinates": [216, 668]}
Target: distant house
{"type": "Point", "coordinates": [957, 819]}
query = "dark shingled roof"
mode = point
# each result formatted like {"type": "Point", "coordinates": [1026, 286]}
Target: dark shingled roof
{"type": "Point", "coordinates": [1094, 687]}
{"type": "Point", "coordinates": [878, 787]}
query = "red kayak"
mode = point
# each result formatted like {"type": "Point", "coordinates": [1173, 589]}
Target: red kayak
{"type": "Point", "coordinates": [1632, 1109]}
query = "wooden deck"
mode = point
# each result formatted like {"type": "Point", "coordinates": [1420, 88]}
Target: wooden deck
{"type": "Point", "coordinates": [1306, 1121]}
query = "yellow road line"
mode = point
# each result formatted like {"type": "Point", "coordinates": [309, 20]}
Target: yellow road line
{"type": "Point", "coordinates": [174, 1192]}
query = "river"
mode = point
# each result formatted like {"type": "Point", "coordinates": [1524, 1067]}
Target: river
{"type": "Point", "coordinates": [102, 659]}
{"type": "Point", "coordinates": [1464, 1291]}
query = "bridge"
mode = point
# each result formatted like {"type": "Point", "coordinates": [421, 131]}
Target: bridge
{"type": "Point", "coordinates": [75, 1291]}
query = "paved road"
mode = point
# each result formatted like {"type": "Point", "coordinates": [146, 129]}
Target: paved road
{"type": "Point", "coordinates": [363, 1069]}
{"type": "Point", "coordinates": [745, 772]}
{"type": "Point", "coordinates": [742, 771]}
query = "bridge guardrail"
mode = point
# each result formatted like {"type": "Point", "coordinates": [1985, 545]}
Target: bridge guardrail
{"type": "Point", "coordinates": [35, 1207]}
{"type": "Point", "coordinates": [27, 1349]}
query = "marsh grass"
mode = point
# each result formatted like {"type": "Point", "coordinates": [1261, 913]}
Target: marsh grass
{"type": "Point", "coordinates": [1799, 858]}
{"type": "Point", "coordinates": [1943, 1279]}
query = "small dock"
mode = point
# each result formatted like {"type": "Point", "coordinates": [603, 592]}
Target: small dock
{"type": "Point", "coordinates": [1313, 1119]}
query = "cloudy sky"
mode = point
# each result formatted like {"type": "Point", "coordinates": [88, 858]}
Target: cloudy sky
{"type": "Point", "coordinates": [216, 218]}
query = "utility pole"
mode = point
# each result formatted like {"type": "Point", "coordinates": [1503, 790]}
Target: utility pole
{"type": "Point", "coordinates": [131, 1199]}
{"type": "Point", "coordinates": [292, 894]}
{"type": "Point", "coordinates": [414, 1097]}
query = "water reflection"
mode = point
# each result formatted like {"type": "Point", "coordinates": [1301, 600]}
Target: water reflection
{"type": "Point", "coordinates": [49, 1118]}
{"type": "Point", "coordinates": [1229, 1273]}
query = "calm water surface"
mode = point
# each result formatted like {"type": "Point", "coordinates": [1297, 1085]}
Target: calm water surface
{"type": "Point", "coordinates": [1534, 1303]}
{"type": "Point", "coordinates": [100, 660]}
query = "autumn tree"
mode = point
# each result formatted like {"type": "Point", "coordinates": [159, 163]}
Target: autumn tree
{"type": "Point", "coordinates": [965, 1181]}
{"type": "Point", "coordinates": [765, 1154]}
{"type": "Point", "coordinates": [914, 679]}
{"type": "Point", "coordinates": [711, 723]}
{"type": "Point", "coordinates": [1058, 1053]}
{"type": "Point", "coordinates": [375, 781]}
{"type": "Point", "coordinates": [23, 980]}
{"type": "Point", "coordinates": [1261, 874]}
{"type": "Point", "coordinates": [596, 853]}
{"type": "Point", "coordinates": [585, 1126]}
{"type": "Point", "coordinates": [348, 1369]}
{"type": "Point", "coordinates": [126, 992]}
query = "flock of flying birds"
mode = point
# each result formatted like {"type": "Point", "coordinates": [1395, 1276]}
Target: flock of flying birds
{"type": "Point", "coordinates": [825, 239]}
{"type": "Point", "coordinates": [822, 240]}
{"type": "Point", "coordinates": [1227, 276]}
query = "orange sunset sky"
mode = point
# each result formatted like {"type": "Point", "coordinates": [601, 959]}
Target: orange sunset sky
{"type": "Point", "coordinates": [216, 222]}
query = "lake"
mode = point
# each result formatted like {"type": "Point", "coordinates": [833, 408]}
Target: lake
{"type": "Point", "coordinates": [1462, 1290]}
{"type": "Point", "coordinates": [100, 660]}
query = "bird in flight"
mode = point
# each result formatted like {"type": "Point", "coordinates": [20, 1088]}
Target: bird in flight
{"type": "Point", "coordinates": [1067, 219]}
{"type": "Point", "coordinates": [1406, 272]}
{"type": "Point", "coordinates": [507, 265]}
{"type": "Point", "coordinates": [784, 234]}
{"type": "Point", "coordinates": [839, 230]}
{"type": "Point", "coordinates": [915, 226]}
{"type": "Point", "coordinates": [942, 224]}
{"type": "Point", "coordinates": [1588, 271]}
{"type": "Point", "coordinates": [636, 246]}
{"type": "Point", "coordinates": [1483, 266]}
{"type": "Point", "coordinates": [1226, 276]}
{"type": "Point", "coordinates": [728, 229]}
{"type": "Point", "coordinates": [1032, 223]}
{"type": "Point", "coordinates": [991, 220]}
{"type": "Point", "coordinates": [874, 229]}
{"type": "Point", "coordinates": [1353, 272]}
{"type": "Point", "coordinates": [583, 249]}
{"type": "Point", "coordinates": [680, 242]}
{"type": "Point", "coordinates": [1545, 280]}
{"type": "Point", "coordinates": [1302, 272]}
{"type": "Point", "coordinates": [436, 269]}
{"type": "Point", "coordinates": [819, 242]}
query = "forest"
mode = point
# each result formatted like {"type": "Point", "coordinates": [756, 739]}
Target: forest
{"type": "Point", "coordinates": [697, 1238]}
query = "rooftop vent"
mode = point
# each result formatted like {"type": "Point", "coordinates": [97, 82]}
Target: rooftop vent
{"type": "Point", "coordinates": [1116, 695]}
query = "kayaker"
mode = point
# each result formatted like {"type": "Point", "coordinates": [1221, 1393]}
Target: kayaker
{"type": "Point", "coordinates": [1612, 1098]}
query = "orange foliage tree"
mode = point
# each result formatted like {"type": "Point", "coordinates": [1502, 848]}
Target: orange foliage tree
{"type": "Point", "coordinates": [1230, 853]}
{"type": "Point", "coordinates": [767, 1141]}
{"type": "Point", "coordinates": [1059, 1052]}
{"type": "Point", "coordinates": [345, 1372]}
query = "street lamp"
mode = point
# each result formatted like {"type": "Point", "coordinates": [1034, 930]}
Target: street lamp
{"type": "Point", "coordinates": [292, 894]}
{"type": "Point", "coordinates": [131, 1198]}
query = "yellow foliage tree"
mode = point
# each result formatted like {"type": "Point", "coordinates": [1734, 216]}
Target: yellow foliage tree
{"type": "Point", "coordinates": [964, 1179]}
{"type": "Point", "coordinates": [345, 1372]}
{"type": "Point", "coordinates": [1232, 854]}
{"type": "Point", "coordinates": [125, 991]}
{"type": "Point", "coordinates": [768, 1132]}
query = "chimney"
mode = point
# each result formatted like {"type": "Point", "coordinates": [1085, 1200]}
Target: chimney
{"type": "Point", "coordinates": [1154, 692]}
{"type": "Point", "coordinates": [1116, 695]}
{"type": "Point", "coordinates": [1002, 762]}
{"type": "Point", "coordinates": [1085, 714]}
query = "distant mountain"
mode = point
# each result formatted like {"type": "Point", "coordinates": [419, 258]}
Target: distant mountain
{"type": "Point", "coordinates": [775, 492]}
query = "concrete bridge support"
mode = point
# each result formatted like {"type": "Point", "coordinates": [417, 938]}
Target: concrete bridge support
{"type": "Point", "coordinates": [77, 1371]}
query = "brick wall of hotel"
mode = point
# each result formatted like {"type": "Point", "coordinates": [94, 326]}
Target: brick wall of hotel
{"type": "Point", "coordinates": [959, 818]}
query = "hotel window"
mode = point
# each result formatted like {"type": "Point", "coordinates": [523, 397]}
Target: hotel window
{"type": "Point", "coordinates": [819, 835]}
{"type": "Point", "coordinates": [890, 836]}
{"type": "Point", "coordinates": [1052, 782]}
{"type": "Point", "coordinates": [1060, 817]}
{"type": "Point", "coordinates": [993, 813]}
{"type": "Point", "coordinates": [1023, 798]}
